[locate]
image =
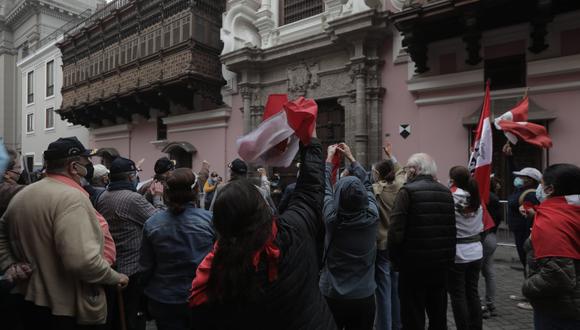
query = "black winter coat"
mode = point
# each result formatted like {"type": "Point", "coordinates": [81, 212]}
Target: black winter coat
{"type": "Point", "coordinates": [293, 301]}
{"type": "Point", "coordinates": [553, 285]}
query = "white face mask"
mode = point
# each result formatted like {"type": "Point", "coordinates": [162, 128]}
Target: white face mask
{"type": "Point", "coordinates": [541, 194]}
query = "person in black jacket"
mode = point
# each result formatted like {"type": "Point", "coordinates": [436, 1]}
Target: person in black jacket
{"type": "Point", "coordinates": [263, 270]}
{"type": "Point", "coordinates": [553, 251]}
{"type": "Point", "coordinates": [421, 243]}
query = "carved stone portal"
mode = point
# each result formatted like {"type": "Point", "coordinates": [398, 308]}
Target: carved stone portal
{"type": "Point", "coordinates": [303, 77]}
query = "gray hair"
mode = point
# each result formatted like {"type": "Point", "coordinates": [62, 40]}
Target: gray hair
{"type": "Point", "coordinates": [424, 164]}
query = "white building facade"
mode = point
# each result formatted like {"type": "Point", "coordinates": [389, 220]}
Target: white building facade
{"type": "Point", "coordinates": [41, 78]}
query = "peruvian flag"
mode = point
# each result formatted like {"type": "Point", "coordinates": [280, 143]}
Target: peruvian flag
{"type": "Point", "coordinates": [515, 126]}
{"type": "Point", "coordinates": [285, 124]}
{"type": "Point", "coordinates": [481, 156]}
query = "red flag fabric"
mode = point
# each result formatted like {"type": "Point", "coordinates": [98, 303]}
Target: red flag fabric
{"type": "Point", "coordinates": [481, 157]}
{"type": "Point", "coordinates": [275, 141]}
{"type": "Point", "coordinates": [335, 166]}
{"type": "Point", "coordinates": [556, 228]}
{"type": "Point", "coordinates": [529, 132]}
{"type": "Point", "coordinates": [518, 113]}
{"type": "Point", "coordinates": [274, 104]}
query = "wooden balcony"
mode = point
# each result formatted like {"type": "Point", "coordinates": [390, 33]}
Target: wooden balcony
{"type": "Point", "coordinates": [143, 55]}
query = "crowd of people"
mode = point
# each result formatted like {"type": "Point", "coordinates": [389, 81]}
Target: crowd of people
{"type": "Point", "coordinates": [90, 246]}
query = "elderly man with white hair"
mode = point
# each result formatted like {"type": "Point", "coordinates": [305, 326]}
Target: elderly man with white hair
{"type": "Point", "coordinates": [421, 243]}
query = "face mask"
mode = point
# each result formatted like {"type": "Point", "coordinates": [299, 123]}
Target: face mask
{"type": "Point", "coordinates": [518, 182]}
{"type": "Point", "coordinates": [135, 181]}
{"type": "Point", "coordinates": [90, 172]}
{"type": "Point", "coordinates": [82, 173]}
{"type": "Point", "coordinates": [540, 194]}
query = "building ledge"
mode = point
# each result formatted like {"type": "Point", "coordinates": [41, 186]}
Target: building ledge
{"type": "Point", "coordinates": [222, 114]}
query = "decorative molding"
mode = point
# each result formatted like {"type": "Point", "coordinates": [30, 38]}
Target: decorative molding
{"type": "Point", "coordinates": [111, 129]}
{"type": "Point", "coordinates": [554, 66]}
{"type": "Point", "coordinates": [302, 77]}
{"type": "Point", "coordinates": [197, 127]}
{"type": "Point", "coordinates": [198, 117]}
{"type": "Point", "coordinates": [115, 137]}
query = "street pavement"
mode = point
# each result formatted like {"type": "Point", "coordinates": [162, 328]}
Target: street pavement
{"type": "Point", "coordinates": [509, 282]}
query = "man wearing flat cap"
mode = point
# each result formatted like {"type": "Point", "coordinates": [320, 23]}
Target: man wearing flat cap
{"type": "Point", "coordinates": [60, 237]}
{"type": "Point", "coordinates": [126, 212]}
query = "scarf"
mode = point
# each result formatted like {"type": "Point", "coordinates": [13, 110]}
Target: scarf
{"type": "Point", "coordinates": [121, 185]}
{"type": "Point", "coordinates": [556, 228]}
{"type": "Point", "coordinates": [199, 285]}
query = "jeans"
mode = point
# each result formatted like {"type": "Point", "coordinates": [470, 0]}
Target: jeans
{"type": "Point", "coordinates": [546, 322]}
{"type": "Point", "coordinates": [464, 295]}
{"type": "Point", "coordinates": [423, 291]}
{"type": "Point", "coordinates": [170, 316]}
{"type": "Point", "coordinates": [388, 307]}
{"type": "Point", "coordinates": [487, 267]}
{"type": "Point", "coordinates": [353, 314]}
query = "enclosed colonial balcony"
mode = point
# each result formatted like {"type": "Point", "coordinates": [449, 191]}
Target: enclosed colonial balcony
{"type": "Point", "coordinates": [134, 57]}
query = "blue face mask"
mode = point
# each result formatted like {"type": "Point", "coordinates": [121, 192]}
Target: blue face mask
{"type": "Point", "coordinates": [518, 182]}
{"type": "Point", "coordinates": [540, 193]}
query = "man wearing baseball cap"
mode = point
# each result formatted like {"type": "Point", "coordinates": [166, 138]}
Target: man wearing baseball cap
{"type": "Point", "coordinates": [126, 212]}
{"type": "Point", "coordinates": [519, 221]}
{"type": "Point", "coordinates": [59, 235]}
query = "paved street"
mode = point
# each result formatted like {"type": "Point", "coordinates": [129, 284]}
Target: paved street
{"type": "Point", "coordinates": [509, 282]}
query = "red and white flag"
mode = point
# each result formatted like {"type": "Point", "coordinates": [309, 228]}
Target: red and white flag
{"type": "Point", "coordinates": [276, 140]}
{"type": "Point", "coordinates": [531, 133]}
{"type": "Point", "coordinates": [481, 157]}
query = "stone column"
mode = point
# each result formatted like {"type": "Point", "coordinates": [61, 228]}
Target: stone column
{"type": "Point", "coordinates": [246, 93]}
{"type": "Point", "coordinates": [361, 132]}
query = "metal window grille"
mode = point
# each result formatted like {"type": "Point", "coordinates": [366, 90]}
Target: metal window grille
{"type": "Point", "coordinates": [295, 10]}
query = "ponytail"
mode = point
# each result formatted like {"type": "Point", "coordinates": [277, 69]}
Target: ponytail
{"type": "Point", "coordinates": [463, 180]}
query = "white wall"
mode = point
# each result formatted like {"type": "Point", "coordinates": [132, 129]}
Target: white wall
{"type": "Point", "coordinates": [34, 143]}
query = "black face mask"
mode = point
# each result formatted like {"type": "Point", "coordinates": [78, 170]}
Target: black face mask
{"type": "Point", "coordinates": [90, 171]}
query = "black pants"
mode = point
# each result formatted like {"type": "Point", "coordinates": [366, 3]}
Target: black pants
{"type": "Point", "coordinates": [520, 237]}
{"type": "Point", "coordinates": [37, 317]}
{"type": "Point", "coordinates": [132, 303]}
{"type": "Point", "coordinates": [353, 314]}
{"type": "Point", "coordinates": [170, 316]}
{"type": "Point", "coordinates": [420, 292]}
{"type": "Point", "coordinates": [463, 279]}
{"type": "Point", "coordinates": [10, 310]}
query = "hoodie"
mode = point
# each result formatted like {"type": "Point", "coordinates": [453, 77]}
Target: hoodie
{"type": "Point", "coordinates": [351, 219]}
{"type": "Point", "coordinates": [469, 223]}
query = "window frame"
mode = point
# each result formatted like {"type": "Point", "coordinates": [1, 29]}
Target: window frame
{"type": "Point", "coordinates": [46, 127]}
{"type": "Point", "coordinates": [49, 77]}
{"type": "Point", "coordinates": [30, 123]}
{"type": "Point", "coordinates": [30, 87]}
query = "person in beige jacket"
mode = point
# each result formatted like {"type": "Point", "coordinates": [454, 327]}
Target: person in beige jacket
{"type": "Point", "coordinates": [52, 226]}
{"type": "Point", "coordinates": [389, 178]}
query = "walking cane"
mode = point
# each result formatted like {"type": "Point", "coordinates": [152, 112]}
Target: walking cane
{"type": "Point", "coordinates": [121, 308]}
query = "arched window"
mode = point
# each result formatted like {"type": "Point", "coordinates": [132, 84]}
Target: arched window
{"type": "Point", "coordinates": [181, 152]}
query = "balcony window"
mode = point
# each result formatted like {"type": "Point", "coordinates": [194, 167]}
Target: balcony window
{"type": "Point", "coordinates": [30, 87]}
{"type": "Point", "coordinates": [295, 10]}
{"type": "Point", "coordinates": [50, 78]}
{"type": "Point", "coordinates": [49, 118]}
{"type": "Point", "coordinates": [506, 72]}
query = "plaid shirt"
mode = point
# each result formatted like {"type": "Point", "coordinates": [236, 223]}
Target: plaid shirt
{"type": "Point", "coordinates": [126, 212]}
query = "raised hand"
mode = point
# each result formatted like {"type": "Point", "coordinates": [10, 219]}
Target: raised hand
{"type": "Point", "coordinates": [345, 149]}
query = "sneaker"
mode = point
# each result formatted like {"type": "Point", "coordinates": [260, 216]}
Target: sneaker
{"type": "Point", "coordinates": [492, 311]}
{"type": "Point", "coordinates": [525, 305]}
{"type": "Point", "coordinates": [517, 298]}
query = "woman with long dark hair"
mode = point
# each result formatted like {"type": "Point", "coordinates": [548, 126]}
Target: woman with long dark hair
{"type": "Point", "coordinates": [174, 243]}
{"type": "Point", "coordinates": [464, 274]}
{"type": "Point", "coordinates": [553, 283]}
{"type": "Point", "coordinates": [263, 270]}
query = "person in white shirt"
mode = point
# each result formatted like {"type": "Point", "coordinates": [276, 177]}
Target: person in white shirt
{"type": "Point", "coordinates": [464, 275]}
